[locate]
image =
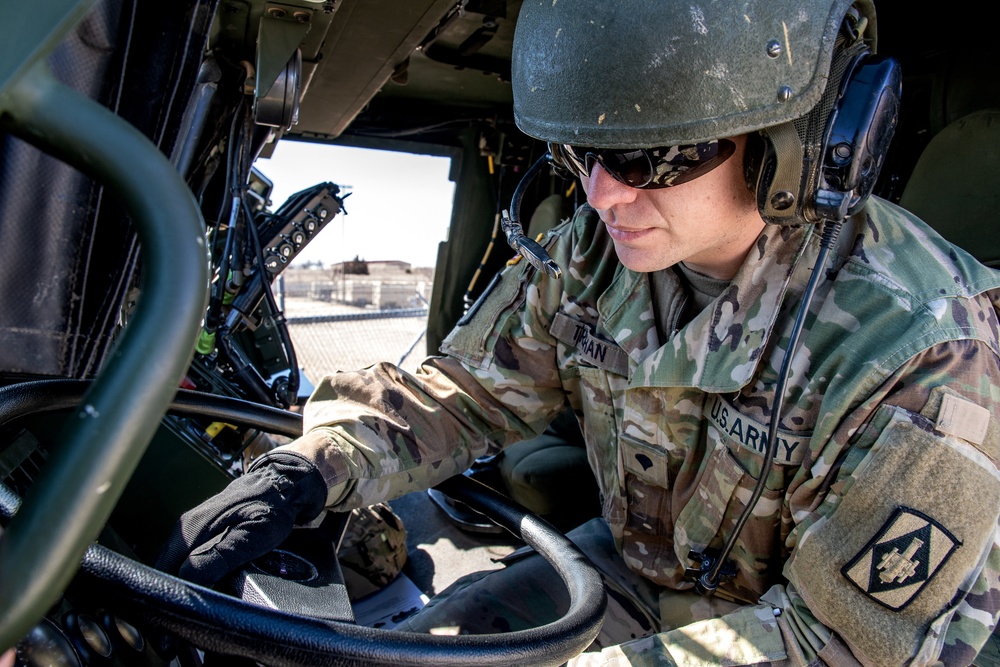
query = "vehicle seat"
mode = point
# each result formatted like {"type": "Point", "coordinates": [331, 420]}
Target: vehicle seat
{"type": "Point", "coordinates": [550, 474]}
{"type": "Point", "coordinates": [955, 185]}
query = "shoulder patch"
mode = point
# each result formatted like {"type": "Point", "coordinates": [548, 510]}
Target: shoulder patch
{"type": "Point", "coordinates": [901, 559]}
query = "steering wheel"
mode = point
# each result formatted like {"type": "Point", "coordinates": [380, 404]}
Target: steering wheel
{"type": "Point", "coordinates": [216, 622]}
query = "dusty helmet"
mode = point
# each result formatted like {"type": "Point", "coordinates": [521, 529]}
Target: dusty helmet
{"type": "Point", "coordinates": [644, 73]}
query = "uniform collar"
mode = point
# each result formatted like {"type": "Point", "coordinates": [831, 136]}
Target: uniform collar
{"type": "Point", "coordinates": [720, 348]}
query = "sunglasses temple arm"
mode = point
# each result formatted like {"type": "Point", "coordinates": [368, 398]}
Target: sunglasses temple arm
{"type": "Point", "coordinates": [530, 250]}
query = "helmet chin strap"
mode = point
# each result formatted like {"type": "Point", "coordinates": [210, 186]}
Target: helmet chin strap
{"type": "Point", "coordinates": [530, 250]}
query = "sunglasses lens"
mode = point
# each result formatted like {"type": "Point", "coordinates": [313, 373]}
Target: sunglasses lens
{"type": "Point", "coordinates": [631, 167]}
{"type": "Point", "coordinates": [648, 168]}
{"type": "Point", "coordinates": [675, 165]}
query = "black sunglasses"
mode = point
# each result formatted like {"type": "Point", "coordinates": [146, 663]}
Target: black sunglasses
{"type": "Point", "coordinates": [646, 168]}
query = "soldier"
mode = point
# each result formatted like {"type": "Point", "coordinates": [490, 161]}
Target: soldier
{"type": "Point", "coordinates": [671, 333]}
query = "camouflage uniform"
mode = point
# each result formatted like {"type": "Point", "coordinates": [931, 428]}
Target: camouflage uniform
{"type": "Point", "coordinates": [876, 537]}
{"type": "Point", "coordinates": [372, 550]}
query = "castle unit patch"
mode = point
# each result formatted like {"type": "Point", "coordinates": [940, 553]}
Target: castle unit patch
{"type": "Point", "coordinates": [901, 559]}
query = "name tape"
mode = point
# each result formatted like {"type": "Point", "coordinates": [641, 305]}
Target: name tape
{"type": "Point", "coordinates": [601, 353]}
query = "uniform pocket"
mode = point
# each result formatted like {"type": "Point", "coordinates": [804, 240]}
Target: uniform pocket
{"type": "Point", "coordinates": [647, 484]}
{"type": "Point", "coordinates": [700, 519]}
{"type": "Point", "coordinates": [648, 544]}
{"type": "Point", "coordinates": [709, 518]}
{"type": "Point", "coordinates": [590, 395]}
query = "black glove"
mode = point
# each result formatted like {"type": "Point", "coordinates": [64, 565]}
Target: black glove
{"type": "Point", "coordinates": [247, 519]}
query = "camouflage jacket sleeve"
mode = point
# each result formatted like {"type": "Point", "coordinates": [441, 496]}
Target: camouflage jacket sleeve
{"type": "Point", "coordinates": [379, 433]}
{"type": "Point", "coordinates": [910, 521]}
{"type": "Point", "coordinates": [921, 588]}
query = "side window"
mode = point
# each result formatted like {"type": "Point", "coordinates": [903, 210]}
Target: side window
{"type": "Point", "coordinates": [358, 293]}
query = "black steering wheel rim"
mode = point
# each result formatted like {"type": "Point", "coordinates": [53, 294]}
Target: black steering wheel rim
{"type": "Point", "coordinates": [217, 622]}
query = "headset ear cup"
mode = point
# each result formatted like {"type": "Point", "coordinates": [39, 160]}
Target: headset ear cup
{"type": "Point", "coordinates": [860, 130]}
{"type": "Point", "coordinates": [786, 164]}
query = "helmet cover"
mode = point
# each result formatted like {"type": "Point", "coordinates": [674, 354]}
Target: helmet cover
{"type": "Point", "coordinates": [642, 73]}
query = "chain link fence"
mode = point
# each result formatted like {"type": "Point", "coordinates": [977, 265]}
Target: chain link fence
{"type": "Point", "coordinates": [354, 322]}
{"type": "Point", "coordinates": [349, 341]}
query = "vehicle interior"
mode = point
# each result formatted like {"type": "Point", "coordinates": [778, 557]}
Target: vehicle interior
{"type": "Point", "coordinates": [132, 136]}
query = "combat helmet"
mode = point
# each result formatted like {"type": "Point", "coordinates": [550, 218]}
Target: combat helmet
{"type": "Point", "coordinates": [650, 73]}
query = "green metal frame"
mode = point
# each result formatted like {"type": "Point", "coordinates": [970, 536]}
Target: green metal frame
{"type": "Point", "coordinates": [101, 446]}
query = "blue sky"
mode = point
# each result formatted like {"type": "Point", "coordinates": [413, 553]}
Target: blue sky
{"type": "Point", "coordinates": [400, 205]}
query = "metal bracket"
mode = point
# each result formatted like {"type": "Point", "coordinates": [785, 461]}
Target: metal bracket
{"type": "Point", "coordinates": [282, 30]}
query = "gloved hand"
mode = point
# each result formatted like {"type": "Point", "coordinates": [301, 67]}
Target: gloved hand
{"type": "Point", "coordinates": [247, 519]}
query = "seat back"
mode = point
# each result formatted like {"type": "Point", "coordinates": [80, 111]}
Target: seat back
{"type": "Point", "coordinates": [955, 186]}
